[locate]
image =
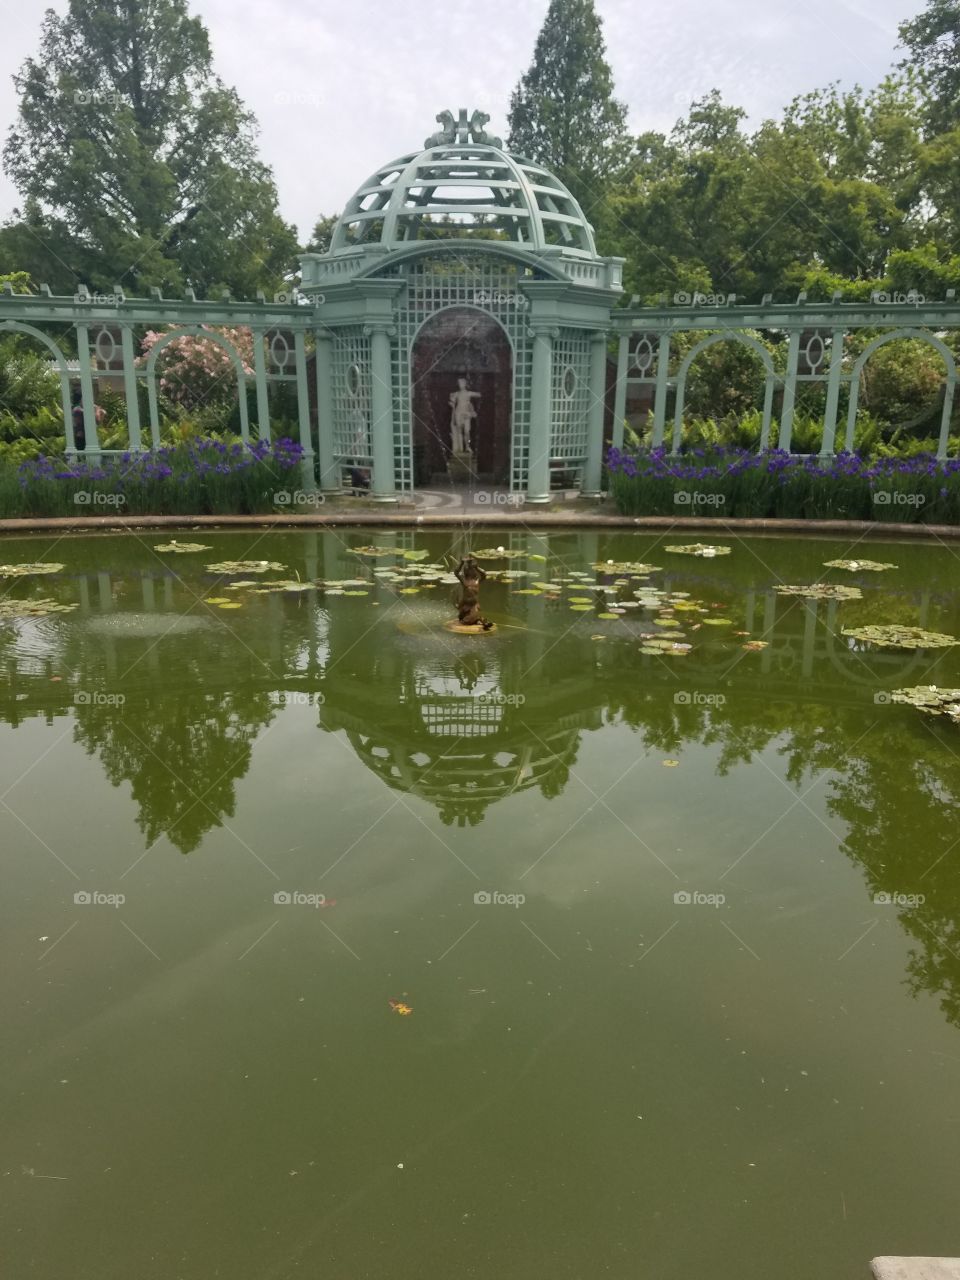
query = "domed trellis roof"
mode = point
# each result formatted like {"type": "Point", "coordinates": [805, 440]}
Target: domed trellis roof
{"type": "Point", "coordinates": [464, 185]}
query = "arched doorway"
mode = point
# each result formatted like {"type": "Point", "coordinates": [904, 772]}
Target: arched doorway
{"type": "Point", "coordinates": [461, 342]}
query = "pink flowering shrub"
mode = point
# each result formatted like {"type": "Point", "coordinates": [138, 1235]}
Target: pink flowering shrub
{"type": "Point", "coordinates": [192, 370]}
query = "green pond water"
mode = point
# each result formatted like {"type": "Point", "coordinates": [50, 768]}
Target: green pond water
{"type": "Point", "coordinates": [597, 1078]}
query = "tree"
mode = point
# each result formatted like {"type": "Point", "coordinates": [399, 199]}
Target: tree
{"type": "Point", "coordinates": [136, 164]}
{"type": "Point", "coordinates": [322, 233]}
{"type": "Point", "coordinates": [563, 113]}
{"type": "Point", "coordinates": [933, 39]}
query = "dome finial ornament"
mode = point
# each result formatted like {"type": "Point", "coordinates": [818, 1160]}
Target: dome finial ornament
{"type": "Point", "coordinates": [462, 130]}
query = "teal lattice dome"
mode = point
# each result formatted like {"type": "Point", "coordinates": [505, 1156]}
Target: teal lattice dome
{"type": "Point", "coordinates": [464, 185]}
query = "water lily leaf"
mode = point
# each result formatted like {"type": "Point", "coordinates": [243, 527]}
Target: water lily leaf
{"type": "Point", "coordinates": [718, 622]}
{"type": "Point", "coordinates": [931, 700]}
{"type": "Point", "coordinates": [872, 566]}
{"type": "Point", "coordinates": [245, 566]}
{"type": "Point", "coordinates": [526, 591]}
{"type": "Point", "coordinates": [415, 555]}
{"type": "Point", "coordinates": [356, 593]}
{"type": "Point", "coordinates": [581, 608]}
{"type": "Point", "coordinates": [699, 549]}
{"type": "Point", "coordinates": [497, 553]}
{"type": "Point", "coordinates": [580, 600]}
{"type": "Point", "coordinates": [25, 570]}
{"type": "Point", "coordinates": [535, 557]}
{"type": "Point", "coordinates": [33, 608]}
{"type": "Point", "coordinates": [180, 548]}
{"type": "Point", "coordinates": [373, 551]}
{"type": "Point", "coordinates": [626, 566]}
{"type": "Point", "coordinates": [409, 591]}
{"type": "Point", "coordinates": [608, 616]}
{"type": "Point", "coordinates": [217, 600]}
{"type": "Point", "coordinates": [821, 591]}
{"type": "Point", "coordinates": [230, 604]}
{"type": "Point", "coordinates": [898, 637]}
{"type": "Point", "coordinates": [754, 646]}
{"type": "Point", "coordinates": [665, 622]}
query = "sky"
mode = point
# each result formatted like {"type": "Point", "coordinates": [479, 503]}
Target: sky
{"type": "Point", "coordinates": [341, 88]}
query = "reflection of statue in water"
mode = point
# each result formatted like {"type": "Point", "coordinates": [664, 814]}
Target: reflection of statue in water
{"type": "Point", "coordinates": [462, 413]}
{"type": "Point", "coordinates": [468, 606]}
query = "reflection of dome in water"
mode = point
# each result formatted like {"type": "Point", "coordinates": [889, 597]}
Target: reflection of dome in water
{"type": "Point", "coordinates": [461, 187]}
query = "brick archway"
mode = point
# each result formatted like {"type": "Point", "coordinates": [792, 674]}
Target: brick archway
{"type": "Point", "coordinates": [455, 343]}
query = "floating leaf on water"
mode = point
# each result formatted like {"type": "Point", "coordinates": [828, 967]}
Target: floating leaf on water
{"type": "Point", "coordinates": [670, 764]}
{"type": "Point", "coordinates": [356, 593]}
{"type": "Point", "coordinates": [217, 600]}
{"type": "Point", "coordinates": [534, 557]}
{"type": "Point", "coordinates": [32, 608]}
{"type": "Point", "coordinates": [26, 570]}
{"type": "Point", "coordinates": [415, 555]}
{"type": "Point", "coordinates": [236, 586]}
{"type": "Point", "coordinates": [625, 566]}
{"type": "Point", "coordinates": [409, 591]}
{"type": "Point", "coordinates": [496, 553]}
{"type": "Point", "coordinates": [180, 548]}
{"type": "Point", "coordinates": [873, 566]}
{"type": "Point", "coordinates": [373, 551]}
{"type": "Point", "coordinates": [230, 604]}
{"type": "Point", "coordinates": [754, 646]}
{"type": "Point", "coordinates": [598, 637]}
{"type": "Point", "coordinates": [580, 600]}
{"type": "Point", "coordinates": [245, 566]}
{"type": "Point", "coordinates": [931, 700]}
{"type": "Point", "coordinates": [608, 616]}
{"type": "Point", "coordinates": [526, 591]}
{"type": "Point", "coordinates": [651, 650]}
{"type": "Point", "coordinates": [580, 608]}
{"type": "Point", "coordinates": [699, 549]}
{"type": "Point", "coordinates": [665, 622]}
{"type": "Point", "coordinates": [718, 622]}
{"type": "Point", "coordinates": [821, 591]}
{"type": "Point", "coordinates": [898, 637]}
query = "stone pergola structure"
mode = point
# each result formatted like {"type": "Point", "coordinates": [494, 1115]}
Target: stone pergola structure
{"type": "Point", "coordinates": [462, 259]}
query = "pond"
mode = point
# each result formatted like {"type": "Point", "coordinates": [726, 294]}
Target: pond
{"type": "Point", "coordinates": [622, 941]}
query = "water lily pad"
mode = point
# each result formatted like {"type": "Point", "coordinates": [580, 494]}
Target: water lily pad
{"type": "Point", "coordinates": [872, 566]}
{"type": "Point", "coordinates": [625, 566]}
{"type": "Point", "coordinates": [581, 608]}
{"type": "Point", "coordinates": [899, 637]}
{"type": "Point", "coordinates": [580, 600]}
{"type": "Point", "coordinates": [180, 548]}
{"type": "Point", "coordinates": [356, 593]}
{"type": "Point", "coordinates": [608, 617]}
{"type": "Point", "coordinates": [245, 566]}
{"type": "Point", "coordinates": [931, 700]}
{"type": "Point", "coordinates": [718, 622]}
{"type": "Point", "coordinates": [409, 591]}
{"type": "Point", "coordinates": [230, 604]}
{"type": "Point", "coordinates": [415, 555]}
{"type": "Point", "coordinates": [373, 551]}
{"type": "Point", "coordinates": [754, 646]}
{"type": "Point", "coordinates": [497, 553]}
{"type": "Point", "coordinates": [33, 608]}
{"type": "Point", "coordinates": [821, 591]}
{"type": "Point", "coordinates": [217, 600]}
{"type": "Point", "coordinates": [699, 549]}
{"type": "Point", "coordinates": [28, 570]}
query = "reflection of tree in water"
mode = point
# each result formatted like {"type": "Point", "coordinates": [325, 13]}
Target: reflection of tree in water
{"type": "Point", "coordinates": [181, 755]}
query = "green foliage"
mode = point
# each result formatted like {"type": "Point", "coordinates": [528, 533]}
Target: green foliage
{"type": "Point", "coordinates": [933, 39]}
{"type": "Point", "coordinates": [136, 164]}
{"type": "Point", "coordinates": [563, 112]}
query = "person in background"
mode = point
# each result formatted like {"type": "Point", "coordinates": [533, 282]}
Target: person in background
{"type": "Point", "coordinates": [79, 430]}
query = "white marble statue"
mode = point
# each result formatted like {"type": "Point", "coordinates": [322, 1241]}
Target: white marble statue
{"type": "Point", "coordinates": [462, 413]}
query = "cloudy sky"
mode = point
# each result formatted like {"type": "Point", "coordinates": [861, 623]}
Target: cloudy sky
{"type": "Point", "coordinates": [340, 88]}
